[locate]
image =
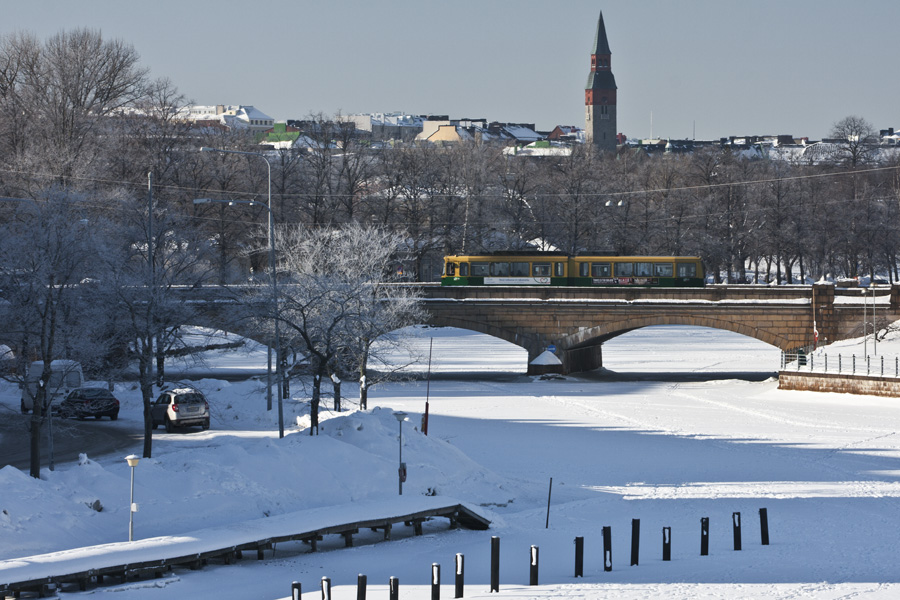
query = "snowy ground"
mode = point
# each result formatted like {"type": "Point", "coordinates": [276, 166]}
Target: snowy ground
{"type": "Point", "coordinates": [665, 449]}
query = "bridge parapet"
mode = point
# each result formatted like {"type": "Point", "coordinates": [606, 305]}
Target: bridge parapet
{"type": "Point", "coordinates": [711, 293]}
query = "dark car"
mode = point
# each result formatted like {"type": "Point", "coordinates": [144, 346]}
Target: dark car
{"type": "Point", "coordinates": [182, 407]}
{"type": "Point", "coordinates": [86, 402]}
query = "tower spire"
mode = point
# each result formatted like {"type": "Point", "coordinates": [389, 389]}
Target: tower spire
{"type": "Point", "coordinates": [600, 94]}
{"type": "Point", "coordinates": [601, 44]}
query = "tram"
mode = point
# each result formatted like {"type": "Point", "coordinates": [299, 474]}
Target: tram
{"type": "Point", "coordinates": [560, 269]}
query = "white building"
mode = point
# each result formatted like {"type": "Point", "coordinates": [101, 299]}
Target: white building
{"type": "Point", "coordinates": [236, 116]}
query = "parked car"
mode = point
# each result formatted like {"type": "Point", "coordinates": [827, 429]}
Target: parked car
{"type": "Point", "coordinates": [86, 402]}
{"type": "Point", "coordinates": [65, 375]}
{"type": "Point", "coordinates": [181, 407]}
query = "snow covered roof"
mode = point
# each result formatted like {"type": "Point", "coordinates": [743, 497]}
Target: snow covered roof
{"type": "Point", "coordinates": [522, 134]}
{"type": "Point", "coordinates": [229, 114]}
{"type": "Point", "coordinates": [251, 112]}
{"type": "Point", "coordinates": [540, 148]}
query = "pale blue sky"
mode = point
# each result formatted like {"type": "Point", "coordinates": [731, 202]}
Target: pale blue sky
{"type": "Point", "coordinates": [724, 67]}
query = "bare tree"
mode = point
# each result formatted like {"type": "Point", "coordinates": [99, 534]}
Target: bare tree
{"type": "Point", "coordinates": [18, 52]}
{"type": "Point", "coordinates": [65, 86]}
{"type": "Point", "coordinates": [856, 140]}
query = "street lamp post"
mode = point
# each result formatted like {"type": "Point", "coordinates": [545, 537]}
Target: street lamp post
{"type": "Point", "coordinates": [271, 223]}
{"type": "Point", "coordinates": [274, 302]}
{"type": "Point", "coordinates": [132, 460]}
{"type": "Point", "coordinates": [401, 472]}
{"type": "Point", "coordinates": [874, 325]}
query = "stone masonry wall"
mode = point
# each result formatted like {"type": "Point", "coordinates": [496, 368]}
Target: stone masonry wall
{"type": "Point", "coordinates": [841, 384]}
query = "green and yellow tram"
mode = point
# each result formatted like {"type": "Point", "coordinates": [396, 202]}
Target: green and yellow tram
{"type": "Point", "coordinates": [557, 268]}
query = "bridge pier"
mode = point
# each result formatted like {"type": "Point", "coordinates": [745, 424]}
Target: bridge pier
{"type": "Point", "coordinates": [574, 360]}
{"type": "Point", "coordinates": [826, 320]}
{"type": "Point", "coordinates": [577, 360]}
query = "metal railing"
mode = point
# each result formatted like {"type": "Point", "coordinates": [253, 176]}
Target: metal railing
{"type": "Point", "coordinates": [872, 365]}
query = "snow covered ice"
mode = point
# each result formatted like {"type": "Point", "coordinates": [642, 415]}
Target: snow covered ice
{"type": "Point", "coordinates": [671, 437]}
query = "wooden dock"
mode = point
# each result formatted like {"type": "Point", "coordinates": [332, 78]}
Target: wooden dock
{"type": "Point", "coordinates": [154, 556]}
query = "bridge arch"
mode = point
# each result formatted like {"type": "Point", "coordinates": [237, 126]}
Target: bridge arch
{"type": "Point", "coordinates": [605, 331]}
{"type": "Point", "coordinates": [481, 326]}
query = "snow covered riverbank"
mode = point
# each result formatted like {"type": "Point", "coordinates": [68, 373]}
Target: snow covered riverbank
{"type": "Point", "coordinates": [667, 452]}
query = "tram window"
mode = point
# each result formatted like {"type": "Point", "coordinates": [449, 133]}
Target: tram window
{"type": "Point", "coordinates": [519, 269]}
{"type": "Point", "coordinates": [643, 269]}
{"type": "Point", "coordinates": [624, 269]}
{"type": "Point", "coordinates": [600, 270]}
{"type": "Point", "coordinates": [559, 269]}
{"type": "Point", "coordinates": [583, 269]}
{"type": "Point", "coordinates": [663, 269]}
{"type": "Point", "coordinates": [500, 269]}
{"type": "Point", "coordinates": [463, 269]}
{"type": "Point", "coordinates": [687, 270]}
{"type": "Point", "coordinates": [451, 269]}
{"type": "Point", "coordinates": [480, 269]}
{"type": "Point", "coordinates": [540, 269]}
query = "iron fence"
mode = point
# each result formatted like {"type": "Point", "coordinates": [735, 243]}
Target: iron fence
{"type": "Point", "coordinates": [871, 365]}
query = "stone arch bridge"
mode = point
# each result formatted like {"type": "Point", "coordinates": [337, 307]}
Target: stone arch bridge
{"type": "Point", "coordinates": [577, 320]}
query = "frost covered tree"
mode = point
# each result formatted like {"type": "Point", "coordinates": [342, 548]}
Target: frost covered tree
{"type": "Point", "coordinates": [147, 257]}
{"type": "Point", "coordinates": [336, 298]}
{"type": "Point", "coordinates": [45, 256]}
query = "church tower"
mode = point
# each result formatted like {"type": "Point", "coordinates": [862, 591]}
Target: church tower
{"type": "Point", "coordinates": [600, 95]}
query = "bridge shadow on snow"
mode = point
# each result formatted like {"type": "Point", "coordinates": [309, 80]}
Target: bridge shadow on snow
{"type": "Point", "coordinates": [604, 374]}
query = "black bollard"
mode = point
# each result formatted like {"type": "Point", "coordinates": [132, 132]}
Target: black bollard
{"type": "Point", "coordinates": [607, 548]}
{"type": "Point", "coordinates": [394, 585]}
{"type": "Point", "coordinates": [579, 557]}
{"type": "Point", "coordinates": [460, 575]}
{"type": "Point", "coordinates": [326, 588]}
{"type": "Point", "coordinates": [361, 587]}
{"type": "Point", "coordinates": [533, 572]}
{"type": "Point", "coordinates": [435, 581]}
{"type": "Point", "coordinates": [635, 540]}
{"type": "Point", "coordinates": [704, 536]}
{"type": "Point", "coordinates": [667, 543]}
{"type": "Point", "coordinates": [736, 523]}
{"type": "Point", "coordinates": [295, 590]}
{"type": "Point", "coordinates": [495, 564]}
{"type": "Point", "coordinates": [764, 526]}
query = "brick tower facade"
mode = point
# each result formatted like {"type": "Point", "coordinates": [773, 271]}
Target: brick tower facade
{"type": "Point", "coordinates": [600, 95]}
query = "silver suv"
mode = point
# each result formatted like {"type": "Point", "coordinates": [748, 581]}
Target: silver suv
{"type": "Point", "coordinates": [181, 407]}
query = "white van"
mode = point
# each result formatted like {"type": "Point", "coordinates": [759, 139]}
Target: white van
{"type": "Point", "coordinates": [65, 376]}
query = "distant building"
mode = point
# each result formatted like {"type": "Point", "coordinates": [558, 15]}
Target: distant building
{"type": "Point", "coordinates": [600, 94]}
{"type": "Point", "coordinates": [444, 133]}
{"type": "Point", "coordinates": [388, 126]}
{"type": "Point", "coordinates": [480, 130]}
{"type": "Point", "coordinates": [232, 116]}
{"type": "Point", "coordinates": [281, 133]}
{"type": "Point", "coordinates": [565, 132]}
